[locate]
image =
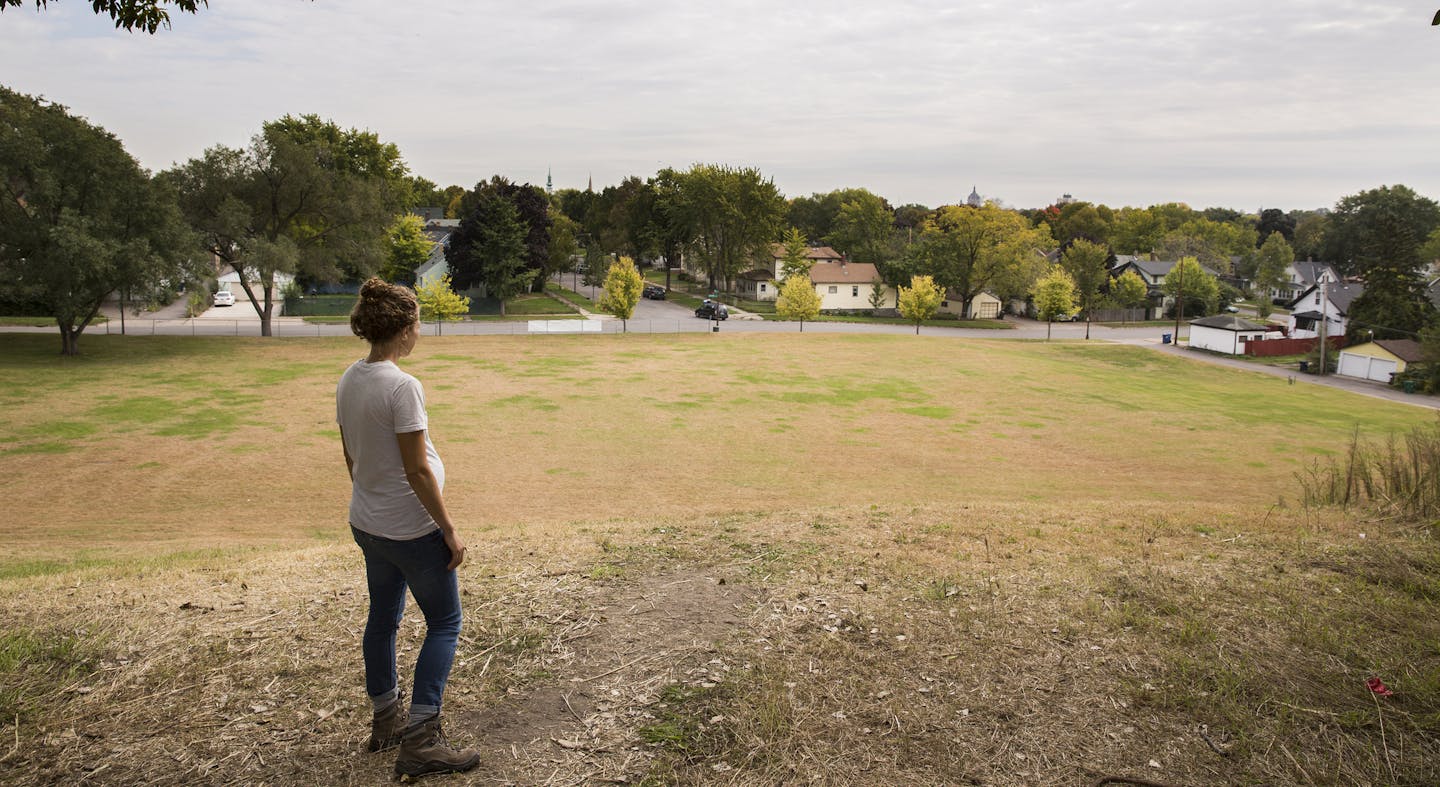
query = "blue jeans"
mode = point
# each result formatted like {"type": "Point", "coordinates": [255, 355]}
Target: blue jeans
{"type": "Point", "coordinates": [390, 566]}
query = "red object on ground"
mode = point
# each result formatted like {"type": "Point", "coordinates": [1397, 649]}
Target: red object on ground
{"type": "Point", "coordinates": [1377, 686]}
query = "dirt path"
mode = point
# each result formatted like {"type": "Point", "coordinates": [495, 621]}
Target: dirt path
{"type": "Point", "coordinates": [610, 666]}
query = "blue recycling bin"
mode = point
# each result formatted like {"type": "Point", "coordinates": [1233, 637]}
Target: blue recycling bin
{"type": "Point", "coordinates": [1164, 338]}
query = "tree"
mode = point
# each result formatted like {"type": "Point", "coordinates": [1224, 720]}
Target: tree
{"type": "Point", "coordinates": [1274, 257]}
{"type": "Point", "coordinates": [1129, 290]}
{"type": "Point", "coordinates": [725, 214]}
{"type": "Point", "coordinates": [862, 227]}
{"type": "Point", "coordinates": [1080, 220]}
{"type": "Point", "coordinates": [1054, 295]}
{"type": "Point", "coordinates": [1210, 242]}
{"type": "Point", "coordinates": [796, 259]}
{"type": "Point", "coordinates": [488, 248]}
{"type": "Point", "coordinates": [1310, 235]}
{"type": "Point", "coordinates": [305, 197]}
{"type": "Point", "coordinates": [129, 15]}
{"type": "Point", "coordinates": [965, 249]}
{"type": "Point", "coordinates": [1274, 220]}
{"type": "Point", "coordinates": [1382, 226]}
{"type": "Point", "coordinates": [408, 249]}
{"type": "Point", "coordinates": [798, 300]}
{"type": "Point", "coordinates": [79, 218]}
{"type": "Point", "coordinates": [532, 209]}
{"type": "Point", "coordinates": [1137, 231]}
{"type": "Point", "coordinates": [877, 295]}
{"type": "Point", "coordinates": [439, 301]}
{"type": "Point", "coordinates": [920, 300]}
{"type": "Point", "coordinates": [1085, 263]}
{"type": "Point", "coordinates": [563, 243]}
{"type": "Point", "coordinates": [623, 285]}
{"type": "Point", "coordinates": [1394, 305]}
{"type": "Point", "coordinates": [1187, 280]}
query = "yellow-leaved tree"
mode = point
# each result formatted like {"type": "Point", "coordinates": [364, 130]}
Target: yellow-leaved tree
{"type": "Point", "coordinates": [1054, 295]}
{"type": "Point", "coordinates": [439, 301]}
{"type": "Point", "coordinates": [920, 300]}
{"type": "Point", "coordinates": [798, 300]}
{"type": "Point", "coordinates": [623, 286]}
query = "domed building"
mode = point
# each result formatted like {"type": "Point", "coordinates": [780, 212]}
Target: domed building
{"type": "Point", "coordinates": [974, 199]}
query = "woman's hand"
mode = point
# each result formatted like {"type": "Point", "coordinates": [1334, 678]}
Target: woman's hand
{"type": "Point", "coordinates": [457, 549]}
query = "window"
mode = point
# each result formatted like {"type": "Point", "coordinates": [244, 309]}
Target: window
{"type": "Point", "coordinates": [1317, 299]}
{"type": "Point", "coordinates": [854, 291]}
{"type": "Point", "coordinates": [834, 289]}
{"type": "Point", "coordinates": [762, 286]}
{"type": "Point", "coordinates": [1244, 338]}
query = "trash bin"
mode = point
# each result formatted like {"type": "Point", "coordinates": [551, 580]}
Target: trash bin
{"type": "Point", "coordinates": [1304, 367]}
{"type": "Point", "coordinates": [1408, 385]}
{"type": "Point", "coordinates": [1164, 338]}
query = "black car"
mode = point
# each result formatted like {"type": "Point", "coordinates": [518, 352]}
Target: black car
{"type": "Point", "coordinates": [711, 310]}
{"type": "Point", "coordinates": [654, 292]}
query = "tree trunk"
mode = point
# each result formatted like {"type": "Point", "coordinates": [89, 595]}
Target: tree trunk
{"type": "Point", "coordinates": [1048, 324]}
{"type": "Point", "coordinates": [67, 341]}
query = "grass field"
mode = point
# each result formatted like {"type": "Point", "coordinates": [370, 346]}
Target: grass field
{"type": "Point", "coordinates": [747, 559]}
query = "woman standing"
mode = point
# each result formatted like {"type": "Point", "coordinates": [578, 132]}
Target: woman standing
{"type": "Point", "coordinates": [398, 518]}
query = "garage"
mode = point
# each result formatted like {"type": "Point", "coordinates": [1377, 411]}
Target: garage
{"type": "Point", "coordinates": [1367, 367]}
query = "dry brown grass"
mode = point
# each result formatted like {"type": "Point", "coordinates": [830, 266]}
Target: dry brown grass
{"type": "Point", "coordinates": [933, 562]}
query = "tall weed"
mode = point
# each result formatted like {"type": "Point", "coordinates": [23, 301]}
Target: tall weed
{"type": "Point", "coordinates": [1398, 478]}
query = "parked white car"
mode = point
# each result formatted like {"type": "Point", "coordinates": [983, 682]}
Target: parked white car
{"type": "Point", "coordinates": [224, 298]}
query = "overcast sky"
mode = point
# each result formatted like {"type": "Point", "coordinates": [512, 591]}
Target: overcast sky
{"type": "Point", "coordinates": [1238, 103]}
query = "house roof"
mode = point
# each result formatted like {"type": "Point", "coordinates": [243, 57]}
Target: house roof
{"type": "Point", "coordinates": [1227, 322]}
{"type": "Point", "coordinates": [1310, 271]}
{"type": "Point", "coordinates": [843, 273]}
{"type": "Point", "coordinates": [1341, 294]}
{"type": "Point", "coordinates": [777, 250]}
{"type": "Point", "coordinates": [1156, 269]}
{"type": "Point", "coordinates": [759, 274]}
{"type": "Point", "coordinates": [1407, 350]}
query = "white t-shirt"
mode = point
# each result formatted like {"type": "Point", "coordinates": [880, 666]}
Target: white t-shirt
{"type": "Point", "coordinates": [373, 403]}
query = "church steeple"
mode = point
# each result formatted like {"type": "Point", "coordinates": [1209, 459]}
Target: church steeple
{"type": "Point", "coordinates": [549, 183]}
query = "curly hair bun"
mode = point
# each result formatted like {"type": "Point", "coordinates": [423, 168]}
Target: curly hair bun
{"type": "Point", "coordinates": [383, 311]}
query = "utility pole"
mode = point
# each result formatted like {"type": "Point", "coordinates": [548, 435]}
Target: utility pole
{"type": "Point", "coordinates": [1323, 326]}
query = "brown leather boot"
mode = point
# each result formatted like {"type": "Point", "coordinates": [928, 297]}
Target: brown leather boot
{"type": "Point", "coordinates": [388, 726]}
{"type": "Point", "coordinates": [424, 749]}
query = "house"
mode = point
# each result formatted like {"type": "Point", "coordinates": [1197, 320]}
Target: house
{"type": "Point", "coordinates": [1300, 276]}
{"type": "Point", "coordinates": [985, 306]}
{"type": "Point", "coordinates": [1153, 273]}
{"type": "Point", "coordinates": [229, 281]}
{"type": "Point", "coordinates": [763, 282]}
{"type": "Point", "coordinates": [435, 266]}
{"type": "Point", "coordinates": [1224, 333]}
{"type": "Point", "coordinates": [1378, 360]}
{"type": "Point", "coordinates": [1307, 310]}
{"type": "Point", "coordinates": [848, 285]}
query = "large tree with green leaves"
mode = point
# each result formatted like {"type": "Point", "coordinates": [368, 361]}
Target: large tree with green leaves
{"type": "Point", "coordinates": [795, 257]}
{"type": "Point", "coordinates": [1189, 284]}
{"type": "Point", "coordinates": [305, 197]}
{"type": "Point", "coordinates": [1394, 305]}
{"type": "Point", "coordinates": [1085, 262]}
{"type": "Point", "coordinates": [966, 249]}
{"type": "Point", "coordinates": [798, 300]}
{"type": "Point", "coordinates": [1273, 258]}
{"type": "Point", "coordinates": [488, 248]}
{"type": "Point", "coordinates": [1384, 226]}
{"type": "Point", "coordinates": [79, 218]}
{"type": "Point", "coordinates": [1128, 290]}
{"type": "Point", "coordinates": [862, 227]}
{"type": "Point", "coordinates": [727, 215]}
{"type": "Point", "coordinates": [1137, 231]}
{"type": "Point", "coordinates": [407, 249]}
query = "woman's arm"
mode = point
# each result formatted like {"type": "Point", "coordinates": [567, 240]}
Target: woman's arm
{"type": "Point", "coordinates": [427, 488]}
{"type": "Point", "coordinates": [349, 462]}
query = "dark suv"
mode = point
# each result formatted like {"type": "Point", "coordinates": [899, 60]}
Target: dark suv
{"type": "Point", "coordinates": [711, 310]}
{"type": "Point", "coordinates": [654, 292]}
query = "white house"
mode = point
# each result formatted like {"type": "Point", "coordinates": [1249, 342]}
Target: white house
{"type": "Point", "coordinates": [229, 281]}
{"type": "Point", "coordinates": [1300, 276]}
{"type": "Point", "coordinates": [1224, 333]}
{"type": "Point", "coordinates": [1309, 309]}
{"type": "Point", "coordinates": [763, 282]}
{"type": "Point", "coordinates": [1153, 273]}
{"type": "Point", "coordinates": [435, 266]}
{"type": "Point", "coordinates": [848, 285]}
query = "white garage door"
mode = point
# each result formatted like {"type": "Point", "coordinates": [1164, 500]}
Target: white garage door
{"type": "Point", "coordinates": [1367, 368]}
